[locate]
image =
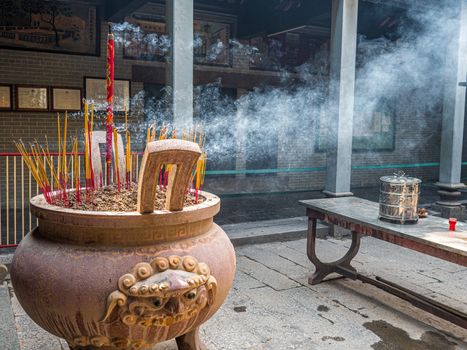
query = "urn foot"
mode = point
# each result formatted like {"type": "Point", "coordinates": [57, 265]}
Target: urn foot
{"type": "Point", "coordinates": [190, 341]}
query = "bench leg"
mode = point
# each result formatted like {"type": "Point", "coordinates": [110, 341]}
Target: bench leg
{"type": "Point", "coordinates": [341, 266]}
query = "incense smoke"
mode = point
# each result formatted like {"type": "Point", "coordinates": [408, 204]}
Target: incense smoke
{"type": "Point", "coordinates": [399, 83]}
{"type": "Point", "coordinates": [130, 36]}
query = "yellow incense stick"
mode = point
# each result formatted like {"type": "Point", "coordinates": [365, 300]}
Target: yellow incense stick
{"type": "Point", "coordinates": [128, 146]}
{"type": "Point", "coordinates": [86, 143]}
{"type": "Point", "coordinates": [126, 120]}
{"type": "Point", "coordinates": [128, 153]}
{"type": "Point", "coordinates": [92, 118]}
{"type": "Point", "coordinates": [198, 174]}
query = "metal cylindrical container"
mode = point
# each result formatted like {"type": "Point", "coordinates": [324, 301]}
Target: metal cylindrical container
{"type": "Point", "coordinates": [398, 199]}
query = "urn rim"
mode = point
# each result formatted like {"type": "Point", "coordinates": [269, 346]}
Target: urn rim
{"type": "Point", "coordinates": [38, 203]}
{"type": "Point", "coordinates": [123, 228]}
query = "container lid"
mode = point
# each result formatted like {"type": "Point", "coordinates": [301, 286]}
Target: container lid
{"type": "Point", "coordinates": [400, 178]}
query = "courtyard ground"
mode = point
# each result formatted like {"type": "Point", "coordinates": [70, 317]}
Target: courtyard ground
{"type": "Point", "coordinates": [271, 305]}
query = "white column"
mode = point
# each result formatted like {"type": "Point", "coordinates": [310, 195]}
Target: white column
{"type": "Point", "coordinates": [341, 99]}
{"type": "Point", "coordinates": [453, 114]}
{"type": "Point", "coordinates": [179, 19]}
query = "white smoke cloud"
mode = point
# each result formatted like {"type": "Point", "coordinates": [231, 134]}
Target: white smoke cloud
{"type": "Point", "coordinates": [404, 71]}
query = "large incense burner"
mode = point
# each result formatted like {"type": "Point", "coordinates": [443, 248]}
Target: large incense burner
{"type": "Point", "coordinates": [128, 280]}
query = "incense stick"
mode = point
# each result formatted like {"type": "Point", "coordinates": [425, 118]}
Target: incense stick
{"type": "Point", "coordinates": [54, 180]}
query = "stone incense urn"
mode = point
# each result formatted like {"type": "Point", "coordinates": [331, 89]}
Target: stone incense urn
{"type": "Point", "coordinates": [128, 280]}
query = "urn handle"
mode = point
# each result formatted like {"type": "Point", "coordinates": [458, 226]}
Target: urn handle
{"type": "Point", "coordinates": [182, 155]}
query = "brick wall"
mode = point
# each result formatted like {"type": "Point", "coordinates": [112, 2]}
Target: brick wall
{"type": "Point", "coordinates": [40, 68]}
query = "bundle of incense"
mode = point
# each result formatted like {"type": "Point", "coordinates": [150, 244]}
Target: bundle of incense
{"type": "Point", "coordinates": [127, 153]}
{"type": "Point", "coordinates": [117, 158]}
{"type": "Point", "coordinates": [49, 162]}
{"type": "Point", "coordinates": [76, 171]}
{"type": "Point", "coordinates": [90, 129]}
{"type": "Point", "coordinates": [89, 173]}
{"type": "Point", "coordinates": [34, 161]}
{"type": "Point", "coordinates": [62, 169]}
{"type": "Point", "coordinates": [48, 175]}
{"type": "Point", "coordinates": [151, 134]}
{"type": "Point", "coordinates": [200, 173]}
{"type": "Point", "coordinates": [59, 143]}
{"type": "Point", "coordinates": [164, 132]}
{"type": "Point", "coordinates": [63, 177]}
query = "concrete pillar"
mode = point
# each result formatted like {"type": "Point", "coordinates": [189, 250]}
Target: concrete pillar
{"type": "Point", "coordinates": [341, 101]}
{"type": "Point", "coordinates": [179, 19]}
{"type": "Point", "coordinates": [453, 119]}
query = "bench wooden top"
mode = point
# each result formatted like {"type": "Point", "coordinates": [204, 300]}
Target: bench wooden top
{"type": "Point", "coordinates": [361, 215]}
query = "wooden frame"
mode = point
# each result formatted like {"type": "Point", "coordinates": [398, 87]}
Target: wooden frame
{"type": "Point", "coordinates": [100, 100]}
{"type": "Point", "coordinates": [6, 99]}
{"type": "Point", "coordinates": [53, 94]}
{"type": "Point", "coordinates": [97, 36]}
{"type": "Point", "coordinates": [31, 88]}
{"type": "Point", "coordinates": [131, 52]}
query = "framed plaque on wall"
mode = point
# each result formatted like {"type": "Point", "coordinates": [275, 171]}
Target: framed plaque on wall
{"type": "Point", "coordinates": [96, 92]}
{"type": "Point", "coordinates": [66, 99]}
{"type": "Point", "coordinates": [51, 26]}
{"type": "Point", "coordinates": [32, 98]}
{"type": "Point", "coordinates": [5, 97]}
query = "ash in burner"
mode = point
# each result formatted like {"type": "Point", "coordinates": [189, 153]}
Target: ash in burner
{"type": "Point", "coordinates": [109, 198]}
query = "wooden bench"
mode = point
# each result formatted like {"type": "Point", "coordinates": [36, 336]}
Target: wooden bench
{"type": "Point", "coordinates": [429, 236]}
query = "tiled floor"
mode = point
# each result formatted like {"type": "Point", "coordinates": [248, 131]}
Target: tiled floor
{"type": "Point", "coordinates": [272, 307]}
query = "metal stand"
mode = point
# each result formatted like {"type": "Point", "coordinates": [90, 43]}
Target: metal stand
{"type": "Point", "coordinates": [344, 268]}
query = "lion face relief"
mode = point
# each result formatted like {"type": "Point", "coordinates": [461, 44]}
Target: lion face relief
{"type": "Point", "coordinates": [161, 293]}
